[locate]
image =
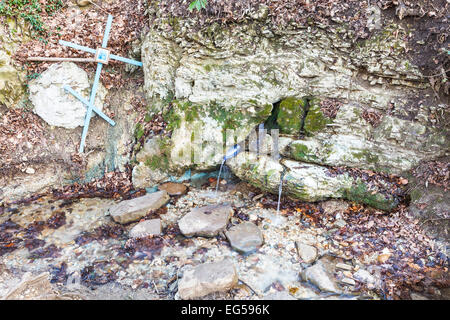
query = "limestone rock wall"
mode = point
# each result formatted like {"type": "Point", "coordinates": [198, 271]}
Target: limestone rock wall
{"type": "Point", "coordinates": [236, 76]}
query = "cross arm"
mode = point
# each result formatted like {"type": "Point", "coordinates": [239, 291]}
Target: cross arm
{"type": "Point", "coordinates": [77, 46]}
{"type": "Point", "coordinates": [87, 103]}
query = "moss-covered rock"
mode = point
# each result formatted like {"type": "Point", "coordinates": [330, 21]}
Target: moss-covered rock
{"type": "Point", "coordinates": [309, 182]}
{"type": "Point", "coordinates": [291, 114]}
{"type": "Point", "coordinates": [315, 120]}
{"type": "Point", "coordinates": [11, 81]}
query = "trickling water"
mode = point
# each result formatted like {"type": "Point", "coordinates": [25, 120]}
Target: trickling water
{"type": "Point", "coordinates": [280, 189]}
{"type": "Point", "coordinates": [230, 154]}
{"type": "Point", "coordinates": [279, 194]}
{"type": "Point", "coordinates": [220, 171]}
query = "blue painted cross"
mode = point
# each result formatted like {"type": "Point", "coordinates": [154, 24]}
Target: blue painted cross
{"type": "Point", "coordinates": [102, 56]}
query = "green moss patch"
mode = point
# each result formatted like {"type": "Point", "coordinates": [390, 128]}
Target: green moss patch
{"type": "Point", "coordinates": [315, 120]}
{"type": "Point", "coordinates": [360, 193]}
{"type": "Point", "coordinates": [290, 115]}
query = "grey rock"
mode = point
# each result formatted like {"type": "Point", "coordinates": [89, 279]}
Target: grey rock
{"type": "Point", "coordinates": [365, 277]}
{"type": "Point", "coordinates": [306, 252]}
{"type": "Point", "coordinates": [245, 237]}
{"type": "Point", "coordinates": [146, 228]}
{"type": "Point", "coordinates": [207, 278]}
{"type": "Point", "coordinates": [134, 209]}
{"type": "Point", "coordinates": [321, 275]}
{"type": "Point", "coordinates": [205, 221]}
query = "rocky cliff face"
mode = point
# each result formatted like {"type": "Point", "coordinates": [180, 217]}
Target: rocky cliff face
{"type": "Point", "coordinates": [340, 104]}
{"type": "Point", "coordinates": [336, 101]}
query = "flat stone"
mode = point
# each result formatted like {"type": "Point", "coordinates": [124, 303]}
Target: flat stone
{"type": "Point", "coordinates": [134, 209]}
{"type": "Point", "coordinates": [348, 281]}
{"type": "Point", "coordinates": [245, 237]}
{"type": "Point", "coordinates": [344, 266]}
{"type": "Point", "coordinates": [207, 278]}
{"type": "Point", "coordinates": [205, 221]}
{"type": "Point", "coordinates": [306, 252]}
{"type": "Point", "coordinates": [146, 228]}
{"type": "Point", "coordinates": [173, 189]}
{"type": "Point", "coordinates": [321, 276]}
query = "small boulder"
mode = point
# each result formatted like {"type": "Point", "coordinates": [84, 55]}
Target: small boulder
{"type": "Point", "coordinates": [134, 209]}
{"type": "Point", "coordinates": [206, 221]}
{"type": "Point", "coordinates": [146, 228]}
{"type": "Point", "coordinates": [321, 276]}
{"type": "Point", "coordinates": [207, 278]}
{"type": "Point", "coordinates": [245, 237]}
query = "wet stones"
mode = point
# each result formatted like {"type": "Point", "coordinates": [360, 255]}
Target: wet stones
{"type": "Point", "coordinates": [207, 278]}
{"type": "Point", "coordinates": [146, 228]}
{"type": "Point", "coordinates": [307, 253]}
{"type": "Point", "coordinates": [245, 237]}
{"type": "Point", "coordinates": [134, 209]}
{"type": "Point", "coordinates": [321, 276]}
{"type": "Point", "coordinates": [206, 221]}
{"type": "Point", "coordinates": [173, 189]}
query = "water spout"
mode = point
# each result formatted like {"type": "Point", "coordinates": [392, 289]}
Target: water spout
{"type": "Point", "coordinates": [230, 154]}
{"type": "Point", "coordinates": [280, 189]}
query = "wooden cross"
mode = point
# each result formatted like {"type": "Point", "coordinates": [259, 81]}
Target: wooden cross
{"type": "Point", "coordinates": [102, 56]}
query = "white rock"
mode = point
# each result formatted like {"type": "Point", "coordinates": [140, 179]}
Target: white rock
{"type": "Point", "coordinates": [56, 106]}
{"type": "Point", "coordinates": [207, 278]}
{"type": "Point", "coordinates": [30, 170]}
{"type": "Point", "coordinates": [146, 228]}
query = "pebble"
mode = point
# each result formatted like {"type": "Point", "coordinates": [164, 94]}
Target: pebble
{"type": "Point", "coordinates": [245, 237]}
{"type": "Point", "coordinates": [207, 278]}
{"type": "Point", "coordinates": [134, 209]}
{"type": "Point", "coordinates": [306, 252]}
{"type": "Point", "coordinates": [206, 221]}
{"type": "Point", "coordinates": [146, 228]}
{"type": "Point", "coordinates": [30, 170]}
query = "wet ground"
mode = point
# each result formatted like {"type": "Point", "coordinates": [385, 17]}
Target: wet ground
{"type": "Point", "coordinates": [85, 255]}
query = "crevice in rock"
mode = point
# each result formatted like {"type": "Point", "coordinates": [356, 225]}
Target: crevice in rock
{"type": "Point", "coordinates": [302, 132]}
{"type": "Point", "coordinates": [271, 122]}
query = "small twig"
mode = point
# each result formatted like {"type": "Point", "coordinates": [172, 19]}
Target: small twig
{"type": "Point", "coordinates": [244, 283]}
{"type": "Point", "coordinates": [156, 288]}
